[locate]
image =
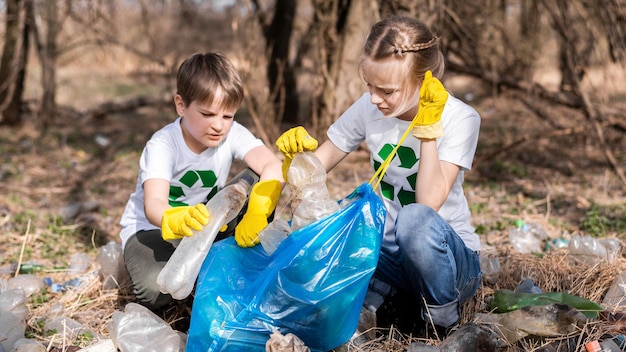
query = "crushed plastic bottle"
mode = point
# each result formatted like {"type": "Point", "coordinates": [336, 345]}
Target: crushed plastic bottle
{"type": "Point", "coordinates": [30, 283]}
{"type": "Point", "coordinates": [179, 275]}
{"type": "Point", "coordinates": [137, 329]}
{"type": "Point", "coordinates": [79, 263]}
{"type": "Point", "coordinates": [616, 295]}
{"type": "Point", "coordinates": [113, 270]}
{"type": "Point", "coordinates": [526, 238]}
{"type": "Point", "coordinates": [590, 250]}
{"type": "Point", "coordinates": [307, 179]}
{"type": "Point", "coordinates": [13, 313]}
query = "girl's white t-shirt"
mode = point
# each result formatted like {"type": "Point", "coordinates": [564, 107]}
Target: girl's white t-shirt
{"type": "Point", "coordinates": [461, 123]}
{"type": "Point", "coordinates": [194, 178]}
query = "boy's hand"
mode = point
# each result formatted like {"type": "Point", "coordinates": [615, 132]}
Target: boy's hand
{"type": "Point", "coordinates": [433, 97]}
{"type": "Point", "coordinates": [263, 199]}
{"type": "Point", "coordinates": [294, 140]}
{"type": "Point", "coordinates": [179, 221]}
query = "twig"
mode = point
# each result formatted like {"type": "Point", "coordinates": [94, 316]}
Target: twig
{"type": "Point", "coordinates": [19, 261]}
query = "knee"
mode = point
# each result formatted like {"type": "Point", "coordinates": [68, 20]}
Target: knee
{"type": "Point", "coordinates": [413, 221]}
{"type": "Point", "coordinates": [149, 295]}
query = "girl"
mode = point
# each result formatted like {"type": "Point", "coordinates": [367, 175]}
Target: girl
{"type": "Point", "coordinates": [429, 249]}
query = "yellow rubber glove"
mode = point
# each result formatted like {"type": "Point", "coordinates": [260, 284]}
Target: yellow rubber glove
{"type": "Point", "coordinates": [294, 140]}
{"type": "Point", "coordinates": [263, 199]}
{"type": "Point", "coordinates": [179, 221]}
{"type": "Point", "coordinates": [433, 97]}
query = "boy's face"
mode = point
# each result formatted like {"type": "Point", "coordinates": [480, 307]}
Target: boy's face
{"type": "Point", "coordinates": [204, 125]}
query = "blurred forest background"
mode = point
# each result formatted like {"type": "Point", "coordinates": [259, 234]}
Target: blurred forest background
{"type": "Point", "coordinates": [84, 83]}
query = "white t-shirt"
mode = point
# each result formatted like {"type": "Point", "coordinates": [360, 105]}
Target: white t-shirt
{"type": "Point", "coordinates": [461, 123]}
{"type": "Point", "coordinates": [194, 178]}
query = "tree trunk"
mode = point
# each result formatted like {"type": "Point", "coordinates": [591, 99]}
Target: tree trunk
{"type": "Point", "coordinates": [11, 69]}
{"type": "Point", "coordinates": [48, 59]}
{"type": "Point", "coordinates": [280, 71]}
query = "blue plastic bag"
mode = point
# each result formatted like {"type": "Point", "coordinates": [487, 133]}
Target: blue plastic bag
{"type": "Point", "coordinates": [312, 286]}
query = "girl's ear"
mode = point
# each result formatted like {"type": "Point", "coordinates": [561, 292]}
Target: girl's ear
{"type": "Point", "coordinates": [180, 105]}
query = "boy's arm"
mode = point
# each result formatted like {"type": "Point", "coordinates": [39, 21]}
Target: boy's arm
{"type": "Point", "coordinates": [175, 222]}
{"type": "Point", "coordinates": [263, 196]}
{"type": "Point", "coordinates": [155, 202]}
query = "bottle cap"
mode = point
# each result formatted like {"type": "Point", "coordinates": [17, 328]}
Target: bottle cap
{"type": "Point", "coordinates": [593, 346]}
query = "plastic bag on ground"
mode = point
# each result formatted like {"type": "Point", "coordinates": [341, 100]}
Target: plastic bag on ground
{"type": "Point", "coordinates": [313, 286]}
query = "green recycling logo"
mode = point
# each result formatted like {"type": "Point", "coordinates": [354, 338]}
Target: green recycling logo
{"type": "Point", "coordinates": [190, 179]}
{"type": "Point", "coordinates": [407, 160]}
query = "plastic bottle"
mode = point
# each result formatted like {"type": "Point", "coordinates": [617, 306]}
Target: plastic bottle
{"type": "Point", "coordinates": [112, 267]}
{"type": "Point", "coordinates": [13, 313]}
{"type": "Point", "coordinates": [591, 250]}
{"type": "Point", "coordinates": [616, 295]}
{"type": "Point", "coordinates": [79, 263]}
{"type": "Point", "coordinates": [179, 275]}
{"type": "Point", "coordinates": [27, 268]}
{"type": "Point", "coordinates": [307, 178]}
{"type": "Point", "coordinates": [523, 239]}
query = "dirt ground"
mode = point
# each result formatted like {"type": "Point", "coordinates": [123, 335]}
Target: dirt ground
{"type": "Point", "coordinates": [552, 179]}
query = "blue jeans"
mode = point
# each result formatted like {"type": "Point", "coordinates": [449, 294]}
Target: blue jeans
{"type": "Point", "coordinates": [432, 263]}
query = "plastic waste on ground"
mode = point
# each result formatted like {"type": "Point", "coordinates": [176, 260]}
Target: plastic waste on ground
{"type": "Point", "coordinates": [310, 200]}
{"type": "Point", "coordinates": [527, 238]}
{"type": "Point", "coordinates": [507, 301]}
{"type": "Point", "coordinates": [313, 286]}
{"type": "Point", "coordinates": [30, 283]}
{"type": "Point", "coordinates": [28, 345]}
{"type": "Point", "coordinates": [471, 337]}
{"type": "Point", "coordinates": [137, 329]}
{"type": "Point", "coordinates": [490, 268]}
{"type": "Point", "coordinates": [112, 267]}
{"type": "Point", "coordinates": [13, 313]}
{"type": "Point", "coordinates": [616, 295]}
{"type": "Point", "coordinates": [105, 345]}
{"type": "Point", "coordinates": [79, 263]}
{"type": "Point", "coordinates": [549, 320]}
{"type": "Point", "coordinates": [285, 343]}
{"type": "Point", "coordinates": [590, 250]}
{"type": "Point", "coordinates": [615, 344]}
{"type": "Point", "coordinates": [179, 275]}
{"type": "Point", "coordinates": [527, 286]}
{"type": "Point", "coordinates": [68, 328]}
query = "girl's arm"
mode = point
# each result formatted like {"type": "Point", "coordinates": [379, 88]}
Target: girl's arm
{"type": "Point", "coordinates": [330, 155]}
{"type": "Point", "coordinates": [434, 177]}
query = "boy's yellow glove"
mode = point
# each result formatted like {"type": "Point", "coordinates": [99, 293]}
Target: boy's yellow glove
{"type": "Point", "coordinates": [294, 140]}
{"type": "Point", "coordinates": [179, 221]}
{"type": "Point", "coordinates": [433, 97]}
{"type": "Point", "coordinates": [263, 199]}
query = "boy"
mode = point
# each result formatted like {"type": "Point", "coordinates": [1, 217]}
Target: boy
{"type": "Point", "coordinates": [184, 164]}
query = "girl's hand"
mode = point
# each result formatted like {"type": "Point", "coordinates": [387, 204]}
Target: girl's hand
{"type": "Point", "coordinates": [433, 97]}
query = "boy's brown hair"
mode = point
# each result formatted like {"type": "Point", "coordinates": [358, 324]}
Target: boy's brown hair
{"type": "Point", "coordinates": [201, 75]}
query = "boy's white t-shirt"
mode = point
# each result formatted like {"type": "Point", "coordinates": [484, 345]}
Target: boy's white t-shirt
{"type": "Point", "coordinates": [364, 122]}
{"type": "Point", "coordinates": [194, 178]}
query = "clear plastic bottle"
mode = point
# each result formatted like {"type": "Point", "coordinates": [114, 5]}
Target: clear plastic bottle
{"type": "Point", "coordinates": [307, 180]}
{"type": "Point", "coordinates": [523, 239]}
{"type": "Point", "coordinates": [179, 275]}
{"type": "Point", "coordinates": [590, 250]}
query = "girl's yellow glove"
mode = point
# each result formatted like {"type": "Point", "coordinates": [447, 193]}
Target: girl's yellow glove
{"type": "Point", "coordinates": [263, 199]}
{"type": "Point", "coordinates": [179, 221]}
{"type": "Point", "coordinates": [294, 140]}
{"type": "Point", "coordinates": [433, 97]}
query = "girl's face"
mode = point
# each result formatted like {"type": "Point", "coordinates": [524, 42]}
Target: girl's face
{"type": "Point", "coordinates": [204, 125]}
{"type": "Point", "coordinates": [384, 81]}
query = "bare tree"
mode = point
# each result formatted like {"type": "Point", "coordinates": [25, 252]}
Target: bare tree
{"type": "Point", "coordinates": [12, 65]}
